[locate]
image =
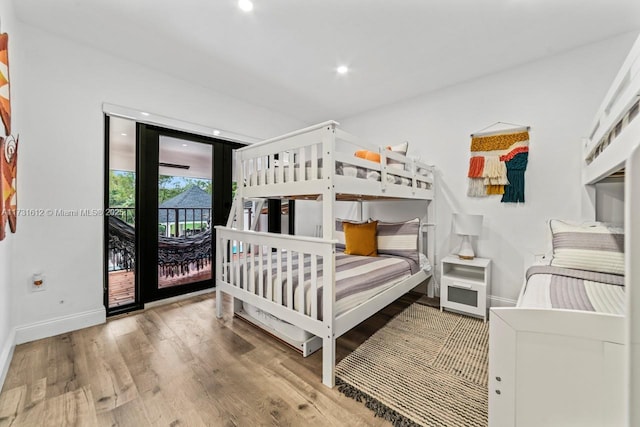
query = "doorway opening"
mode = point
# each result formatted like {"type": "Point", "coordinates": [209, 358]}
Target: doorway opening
{"type": "Point", "coordinates": [165, 190]}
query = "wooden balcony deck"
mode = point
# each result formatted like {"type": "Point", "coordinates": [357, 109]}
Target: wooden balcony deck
{"type": "Point", "coordinates": [121, 284]}
{"type": "Point", "coordinates": [121, 288]}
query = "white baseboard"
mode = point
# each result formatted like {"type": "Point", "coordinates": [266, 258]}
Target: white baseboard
{"type": "Point", "coordinates": [501, 302]}
{"type": "Point", "coordinates": [60, 325]}
{"type": "Point", "coordinates": [177, 298]}
{"type": "Point", "coordinates": [6, 354]}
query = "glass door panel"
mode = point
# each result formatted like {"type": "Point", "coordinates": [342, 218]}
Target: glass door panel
{"type": "Point", "coordinates": [185, 193]}
{"type": "Point", "coordinates": [120, 218]}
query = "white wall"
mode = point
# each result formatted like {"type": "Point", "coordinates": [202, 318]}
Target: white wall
{"type": "Point", "coordinates": [6, 325]}
{"type": "Point", "coordinates": [62, 86]}
{"type": "Point", "coordinates": [557, 96]}
{"type": "Point", "coordinates": [610, 201]}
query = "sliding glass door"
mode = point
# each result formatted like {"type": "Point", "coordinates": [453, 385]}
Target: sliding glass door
{"type": "Point", "coordinates": [183, 188]}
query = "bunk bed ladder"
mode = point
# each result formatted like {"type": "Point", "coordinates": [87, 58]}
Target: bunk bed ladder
{"type": "Point", "coordinates": [259, 206]}
{"type": "Point", "coordinates": [238, 206]}
{"type": "Point", "coordinates": [232, 213]}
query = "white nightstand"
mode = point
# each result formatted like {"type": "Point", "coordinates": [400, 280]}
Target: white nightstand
{"type": "Point", "coordinates": [465, 285]}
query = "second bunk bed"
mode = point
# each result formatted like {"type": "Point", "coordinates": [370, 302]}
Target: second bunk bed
{"type": "Point", "coordinates": [309, 283]}
{"type": "Point", "coordinates": [567, 353]}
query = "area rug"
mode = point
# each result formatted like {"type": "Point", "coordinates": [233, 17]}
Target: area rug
{"type": "Point", "coordinates": [424, 368]}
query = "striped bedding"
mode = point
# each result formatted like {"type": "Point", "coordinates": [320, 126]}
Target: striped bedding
{"type": "Point", "coordinates": [345, 170]}
{"type": "Point", "coordinates": [358, 278]}
{"type": "Point", "coordinates": [374, 175]}
{"type": "Point", "coordinates": [595, 247]}
{"type": "Point", "coordinates": [569, 289]}
{"type": "Point", "coordinates": [399, 239]}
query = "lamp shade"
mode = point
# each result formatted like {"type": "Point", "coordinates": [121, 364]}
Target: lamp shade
{"type": "Point", "coordinates": [467, 225]}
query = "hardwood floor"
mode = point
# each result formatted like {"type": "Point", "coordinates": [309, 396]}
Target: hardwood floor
{"type": "Point", "coordinates": [177, 365]}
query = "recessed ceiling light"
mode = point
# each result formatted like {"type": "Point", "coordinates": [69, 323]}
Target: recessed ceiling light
{"type": "Point", "coordinates": [144, 114]}
{"type": "Point", "coordinates": [123, 134]}
{"type": "Point", "coordinates": [245, 5]}
{"type": "Point", "coordinates": [216, 132]}
{"type": "Point", "coordinates": [342, 69]}
{"type": "Point", "coordinates": [185, 145]}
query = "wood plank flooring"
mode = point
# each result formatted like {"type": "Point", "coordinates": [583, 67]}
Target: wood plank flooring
{"type": "Point", "coordinates": [177, 365]}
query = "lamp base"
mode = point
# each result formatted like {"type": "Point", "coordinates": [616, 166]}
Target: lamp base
{"type": "Point", "coordinates": [466, 250]}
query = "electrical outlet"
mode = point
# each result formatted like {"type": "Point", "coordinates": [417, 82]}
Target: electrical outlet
{"type": "Point", "coordinates": [38, 283]}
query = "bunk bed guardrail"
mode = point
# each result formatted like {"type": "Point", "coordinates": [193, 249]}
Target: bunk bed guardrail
{"type": "Point", "coordinates": [607, 147]}
{"type": "Point", "coordinates": [237, 276]}
{"type": "Point", "coordinates": [293, 164]}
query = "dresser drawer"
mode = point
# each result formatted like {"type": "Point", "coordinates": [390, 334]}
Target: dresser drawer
{"type": "Point", "coordinates": [466, 296]}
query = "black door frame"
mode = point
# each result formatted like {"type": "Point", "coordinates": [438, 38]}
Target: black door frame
{"type": "Point", "coordinates": [147, 197]}
{"type": "Point", "coordinates": [147, 157]}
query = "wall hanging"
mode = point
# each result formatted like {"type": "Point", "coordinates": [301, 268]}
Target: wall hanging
{"type": "Point", "coordinates": [9, 172]}
{"type": "Point", "coordinates": [8, 148]}
{"type": "Point", "coordinates": [498, 162]}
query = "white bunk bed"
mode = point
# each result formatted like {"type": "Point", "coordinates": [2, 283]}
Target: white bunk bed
{"type": "Point", "coordinates": [558, 367]}
{"type": "Point", "coordinates": [295, 166]}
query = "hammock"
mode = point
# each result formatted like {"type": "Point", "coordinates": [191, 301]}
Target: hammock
{"type": "Point", "coordinates": [176, 255]}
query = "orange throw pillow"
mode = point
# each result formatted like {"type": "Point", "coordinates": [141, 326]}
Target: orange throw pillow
{"type": "Point", "coordinates": [368, 155]}
{"type": "Point", "coordinates": [360, 239]}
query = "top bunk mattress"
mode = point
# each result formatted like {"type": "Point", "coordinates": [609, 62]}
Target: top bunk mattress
{"type": "Point", "coordinates": [552, 287]}
{"type": "Point", "coordinates": [265, 177]}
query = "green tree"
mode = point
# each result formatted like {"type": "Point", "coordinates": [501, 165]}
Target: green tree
{"type": "Point", "coordinates": [204, 184]}
{"type": "Point", "coordinates": [122, 189]}
{"type": "Point", "coordinates": [168, 188]}
{"type": "Point", "coordinates": [171, 186]}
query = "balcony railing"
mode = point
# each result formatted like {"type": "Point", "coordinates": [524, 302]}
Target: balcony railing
{"type": "Point", "coordinates": [172, 222]}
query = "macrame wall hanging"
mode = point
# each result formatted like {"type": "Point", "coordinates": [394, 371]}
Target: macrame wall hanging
{"type": "Point", "coordinates": [498, 162]}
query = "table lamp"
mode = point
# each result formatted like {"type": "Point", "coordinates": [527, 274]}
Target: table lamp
{"type": "Point", "coordinates": [467, 225]}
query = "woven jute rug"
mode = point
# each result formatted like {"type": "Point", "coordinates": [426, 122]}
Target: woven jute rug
{"type": "Point", "coordinates": [424, 368]}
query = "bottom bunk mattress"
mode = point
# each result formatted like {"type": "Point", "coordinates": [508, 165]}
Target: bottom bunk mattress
{"type": "Point", "coordinates": [358, 278]}
{"type": "Point", "coordinates": [569, 289]}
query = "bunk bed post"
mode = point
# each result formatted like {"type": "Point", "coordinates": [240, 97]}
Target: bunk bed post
{"type": "Point", "coordinates": [220, 266]}
{"type": "Point", "coordinates": [329, 271]}
{"type": "Point", "coordinates": [434, 291]}
{"type": "Point", "coordinates": [236, 215]}
{"type": "Point", "coordinates": [632, 273]}
{"type": "Point", "coordinates": [241, 165]}
{"type": "Point", "coordinates": [239, 197]}
{"type": "Point", "coordinates": [328, 193]}
{"type": "Point", "coordinates": [328, 318]}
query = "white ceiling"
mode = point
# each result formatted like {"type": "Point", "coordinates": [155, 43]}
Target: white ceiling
{"type": "Point", "coordinates": [122, 152]}
{"type": "Point", "coordinates": [283, 54]}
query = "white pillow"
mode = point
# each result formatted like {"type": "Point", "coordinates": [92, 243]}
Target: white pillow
{"type": "Point", "coordinates": [400, 149]}
{"type": "Point", "coordinates": [400, 239]}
